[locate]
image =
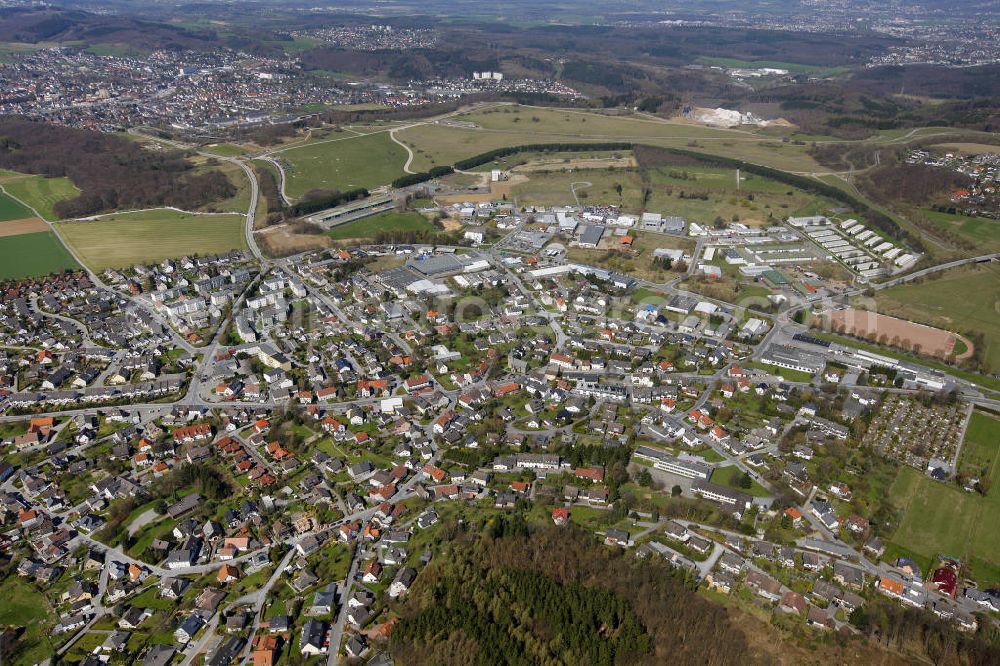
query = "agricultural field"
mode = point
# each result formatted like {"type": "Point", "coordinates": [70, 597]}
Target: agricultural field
{"type": "Point", "coordinates": [370, 226]}
{"type": "Point", "coordinates": [343, 164]}
{"type": "Point", "coordinates": [933, 302]}
{"type": "Point", "coordinates": [38, 192]}
{"type": "Point", "coordinates": [941, 518]}
{"type": "Point", "coordinates": [32, 254]}
{"type": "Point", "coordinates": [124, 239]}
{"type": "Point", "coordinates": [11, 209]}
{"type": "Point", "coordinates": [485, 129]}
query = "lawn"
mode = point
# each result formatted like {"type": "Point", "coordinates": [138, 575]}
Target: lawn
{"type": "Point", "coordinates": [788, 375]}
{"type": "Point", "coordinates": [24, 606]}
{"type": "Point", "coordinates": [224, 149]}
{"type": "Point", "coordinates": [40, 193]}
{"type": "Point", "coordinates": [980, 447]}
{"type": "Point", "coordinates": [934, 302]}
{"type": "Point", "coordinates": [942, 519]}
{"type": "Point", "coordinates": [119, 240]}
{"type": "Point", "coordinates": [343, 164]}
{"type": "Point", "coordinates": [11, 209]}
{"type": "Point", "coordinates": [370, 226]}
{"type": "Point", "coordinates": [730, 475]}
{"type": "Point", "coordinates": [29, 255]}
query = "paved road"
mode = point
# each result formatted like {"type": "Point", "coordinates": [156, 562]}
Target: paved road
{"type": "Point", "coordinates": [282, 178]}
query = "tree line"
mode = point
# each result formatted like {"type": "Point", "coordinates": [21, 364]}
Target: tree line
{"type": "Point", "coordinates": [422, 176]}
{"type": "Point", "coordinates": [316, 201]}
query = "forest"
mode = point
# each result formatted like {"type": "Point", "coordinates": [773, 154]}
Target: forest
{"type": "Point", "coordinates": [508, 591]}
{"type": "Point", "coordinates": [111, 172]}
{"type": "Point", "coordinates": [507, 594]}
{"type": "Point", "coordinates": [912, 183]}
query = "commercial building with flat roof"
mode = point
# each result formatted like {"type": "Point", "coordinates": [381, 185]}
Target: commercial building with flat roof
{"type": "Point", "coordinates": [793, 358]}
{"type": "Point", "coordinates": [727, 497]}
{"type": "Point", "coordinates": [591, 235]}
{"type": "Point", "coordinates": [668, 463]}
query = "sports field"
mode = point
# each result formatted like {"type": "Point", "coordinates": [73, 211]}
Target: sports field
{"type": "Point", "coordinates": [934, 302]}
{"type": "Point", "coordinates": [39, 192]}
{"type": "Point", "coordinates": [119, 240]}
{"type": "Point", "coordinates": [370, 226]}
{"type": "Point", "coordinates": [343, 164]}
{"type": "Point", "coordinates": [941, 518]}
{"type": "Point", "coordinates": [919, 337]}
{"type": "Point", "coordinates": [32, 254]}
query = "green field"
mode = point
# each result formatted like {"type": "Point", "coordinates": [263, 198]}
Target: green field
{"type": "Point", "coordinates": [29, 255]}
{"type": "Point", "coordinates": [773, 64]}
{"type": "Point", "coordinates": [553, 189]}
{"type": "Point", "coordinates": [981, 445]}
{"type": "Point", "coordinates": [730, 476]}
{"type": "Point", "coordinates": [983, 232]}
{"type": "Point", "coordinates": [11, 209]}
{"type": "Point", "coordinates": [40, 193]}
{"type": "Point", "coordinates": [24, 606]}
{"type": "Point", "coordinates": [119, 240]}
{"type": "Point", "coordinates": [554, 157]}
{"type": "Point", "coordinates": [364, 161]}
{"type": "Point", "coordinates": [224, 149]}
{"type": "Point", "coordinates": [934, 303]}
{"type": "Point", "coordinates": [370, 226]}
{"type": "Point", "coordinates": [496, 127]}
{"type": "Point", "coordinates": [240, 201]}
{"type": "Point", "coordinates": [942, 519]}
